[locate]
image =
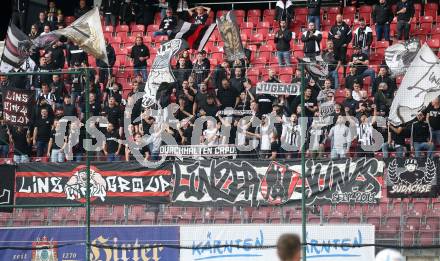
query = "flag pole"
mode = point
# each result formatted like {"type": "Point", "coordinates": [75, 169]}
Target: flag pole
{"type": "Point", "coordinates": [303, 167]}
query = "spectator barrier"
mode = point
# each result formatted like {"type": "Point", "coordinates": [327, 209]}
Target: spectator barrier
{"type": "Point", "coordinates": [201, 242]}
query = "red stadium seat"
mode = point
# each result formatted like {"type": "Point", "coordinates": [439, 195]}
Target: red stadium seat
{"type": "Point", "coordinates": [365, 12]}
{"type": "Point", "coordinates": [431, 9]}
{"type": "Point", "coordinates": [434, 44]}
{"type": "Point", "coordinates": [257, 38]}
{"type": "Point", "coordinates": [222, 217]}
{"type": "Point", "coordinates": [254, 19]}
{"type": "Point", "coordinates": [115, 40]}
{"type": "Point", "coordinates": [380, 45]}
{"type": "Point", "coordinates": [268, 12]}
{"type": "Point", "coordinates": [69, 19]}
{"type": "Point", "coordinates": [426, 22]}
{"type": "Point", "coordinates": [333, 12]}
{"type": "Point", "coordinates": [326, 25]}
{"type": "Point", "coordinates": [264, 25]}
{"type": "Point", "coordinates": [349, 12]}
{"type": "Point", "coordinates": [254, 13]}
{"type": "Point", "coordinates": [221, 12]}
{"type": "Point", "coordinates": [417, 10]}
{"type": "Point", "coordinates": [152, 28]}
{"type": "Point", "coordinates": [137, 28]}
{"type": "Point", "coordinates": [218, 56]}
{"type": "Point", "coordinates": [121, 51]}
{"type": "Point", "coordinates": [254, 71]}
{"type": "Point", "coordinates": [247, 25]}
{"type": "Point", "coordinates": [276, 216]}
{"type": "Point", "coordinates": [286, 78]}
{"type": "Point", "coordinates": [122, 28]}
{"type": "Point", "coordinates": [260, 61]}
{"type": "Point", "coordinates": [240, 13]}
{"type": "Point", "coordinates": [147, 39]}
{"type": "Point", "coordinates": [108, 29]}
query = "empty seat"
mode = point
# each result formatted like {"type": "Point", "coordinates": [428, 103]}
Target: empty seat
{"type": "Point", "coordinates": [260, 216]}
{"type": "Point", "coordinates": [426, 22]}
{"type": "Point", "coordinates": [221, 217]}
{"type": "Point", "coordinates": [137, 28]}
{"type": "Point", "coordinates": [254, 13]}
{"type": "Point", "coordinates": [431, 9]}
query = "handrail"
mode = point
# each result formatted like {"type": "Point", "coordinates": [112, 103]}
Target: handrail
{"type": "Point", "coordinates": [270, 2]}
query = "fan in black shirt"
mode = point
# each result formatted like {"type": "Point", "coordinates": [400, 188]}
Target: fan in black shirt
{"type": "Point", "coordinates": [42, 132]}
{"type": "Point", "coordinates": [21, 140]}
{"type": "Point", "coordinates": [112, 146]}
{"type": "Point", "coordinates": [433, 116]}
{"type": "Point", "coordinates": [114, 113]}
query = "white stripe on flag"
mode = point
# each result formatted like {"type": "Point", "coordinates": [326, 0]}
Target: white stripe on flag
{"type": "Point", "coordinates": [206, 36]}
{"type": "Point", "coordinates": [12, 37]}
{"type": "Point", "coordinates": [185, 28]}
{"type": "Point", "coordinates": [10, 56]}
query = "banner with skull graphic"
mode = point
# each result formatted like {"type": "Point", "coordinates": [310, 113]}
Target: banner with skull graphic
{"type": "Point", "coordinates": [412, 178]}
{"type": "Point", "coordinates": [122, 183]}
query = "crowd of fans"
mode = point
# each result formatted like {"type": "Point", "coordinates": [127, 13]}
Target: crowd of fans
{"type": "Point", "coordinates": [203, 90]}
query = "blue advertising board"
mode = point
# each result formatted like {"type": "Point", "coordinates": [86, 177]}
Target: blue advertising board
{"type": "Point", "coordinates": [69, 243]}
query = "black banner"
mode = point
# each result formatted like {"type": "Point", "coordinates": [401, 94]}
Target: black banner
{"type": "Point", "coordinates": [18, 106]}
{"type": "Point", "coordinates": [255, 183]}
{"type": "Point", "coordinates": [196, 151]}
{"type": "Point", "coordinates": [412, 178]}
{"type": "Point", "coordinates": [7, 180]}
{"type": "Point", "coordinates": [110, 183]}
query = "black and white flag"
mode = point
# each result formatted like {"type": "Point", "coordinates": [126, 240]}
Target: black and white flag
{"type": "Point", "coordinates": [399, 56]}
{"type": "Point", "coordinates": [197, 35]}
{"type": "Point", "coordinates": [412, 178]}
{"type": "Point", "coordinates": [419, 87]}
{"type": "Point", "coordinates": [7, 184]}
{"type": "Point", "coordinates": [17, 48]}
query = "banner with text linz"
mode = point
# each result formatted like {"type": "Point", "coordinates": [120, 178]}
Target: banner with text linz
{"type": "Point", "coordinates": [7, 181]}
{"type": "Point", "coordinates": [122, 183]}
{"type": "Point", "coordinates": [412, 178]}
{"type": "Point", "coordinates": [278, 88]}
{"type": "Point", "coordinates": [256, 183]}
{"type": "Point", "coordinates": [201, 237]}
{"type": "Point", "coordinates": [18, 106]}
{"type": "Point", "coordinates": [111, 243]}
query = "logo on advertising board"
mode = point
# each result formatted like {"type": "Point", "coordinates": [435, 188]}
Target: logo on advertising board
{"type": "Point", "coordinates": [115, 243]}
{"type": "Point", "coordinates": [48, 250]}
{"type": "Point", "coordinates": [249, 241]}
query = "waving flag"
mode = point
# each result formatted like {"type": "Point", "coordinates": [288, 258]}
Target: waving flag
{"type": "Point", "coordinates": [196, 35]}
{"type": "Point", "coordinates": [398, 57]}
{"type": "Point", "coordinates": [418, 88]}
{"type": "Point", "coordinates": [17, 47]}
{"type": "Point", "coordinates": [86, 31]}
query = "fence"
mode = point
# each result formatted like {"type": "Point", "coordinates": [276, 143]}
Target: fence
{"type": "Point", "coordinates": [408, 223]}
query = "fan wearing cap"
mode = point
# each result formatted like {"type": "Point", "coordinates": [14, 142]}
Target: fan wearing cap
{"type": "Point", "coordinates": [363, 36]}
{"type": "Point", "coordinates": [360, 60]}
{"type": "Point", "coordinates": [421, 136]}
{"type": "Point", "coordinates": [412, 174]}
